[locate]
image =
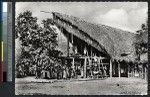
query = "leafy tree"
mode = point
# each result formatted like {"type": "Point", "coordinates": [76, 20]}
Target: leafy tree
{"type": "Point", "coordinates": [26, 29]}
{"type": "Point", "coordinates": [141, 44]}
{"type": "Point", "coordinates": [38, 42]}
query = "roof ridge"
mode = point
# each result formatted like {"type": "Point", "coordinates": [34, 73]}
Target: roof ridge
{"type": "Point", "coordinates": [95, 24]}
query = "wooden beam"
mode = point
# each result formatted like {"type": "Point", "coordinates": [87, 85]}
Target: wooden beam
{"type": "Point", "coordinates": [110, 69]}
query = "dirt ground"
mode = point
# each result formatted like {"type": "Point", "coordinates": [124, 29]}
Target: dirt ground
{"type": "Point", "coordinates": [109, 86]}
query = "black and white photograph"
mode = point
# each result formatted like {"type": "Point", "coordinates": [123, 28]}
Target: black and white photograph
{"type": "Point", "coordinates": [81, 48]}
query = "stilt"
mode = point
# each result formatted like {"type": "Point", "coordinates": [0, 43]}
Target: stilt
{"type": "Point", "coordinates": [110, 71]}
{"type": "Point", "coordinates": [85, 67]}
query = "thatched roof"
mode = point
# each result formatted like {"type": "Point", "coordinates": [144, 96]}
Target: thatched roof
{"type": "Point", "coordinates": [117, 43]}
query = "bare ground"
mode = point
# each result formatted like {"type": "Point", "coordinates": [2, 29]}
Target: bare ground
{"type": "Point", "coordinates": [109, 86]}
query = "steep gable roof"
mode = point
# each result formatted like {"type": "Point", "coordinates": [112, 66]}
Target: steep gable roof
{"type": "Point", "coordinates": [116, 42]}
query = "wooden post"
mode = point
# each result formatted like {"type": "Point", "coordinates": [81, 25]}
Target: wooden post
{"type": "Point", "coordinates": [72, 38]}
{"type": "Point", "coordinates": [99, 63]}
{"type": "Point", "coordinates": [73, 67]}
{"type": "Point", "coordinates": [142, 72]}
{"type": "Point", "coordinates": [119, 69]}
{"type": "Point", "coordinates": [145, 73]}
{"type": "Point", "coordinates": [91, 51]}
{"type": "Point", "coordinates": [110, 69]}
{"type": "Point", "coordinates": [134, 70]}
{"type": "Point", "coordinates": [68, 45]}
{"type": "Point", "coordinates": [85, 50]}
{"type": "Point", "coordinates": [85, 59]}
{"type": "Point", "coordinates": [73, 63]}
{"type": "Point", "coordinates": [128, 69]}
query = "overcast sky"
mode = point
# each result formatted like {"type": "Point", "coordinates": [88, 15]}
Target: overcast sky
{"type": "Point", "coordinates": [124, 15]}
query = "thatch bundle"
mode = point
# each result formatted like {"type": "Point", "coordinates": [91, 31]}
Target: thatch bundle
{"type": "Point", "coordinates": [117, 43]}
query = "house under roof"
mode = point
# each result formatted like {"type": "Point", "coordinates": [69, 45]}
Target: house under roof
{"type": "Point", "coordinates": [117, 43]}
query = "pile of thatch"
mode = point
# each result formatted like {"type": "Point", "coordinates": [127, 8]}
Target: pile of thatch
{"type": "Point", "coordinates": [117, 43]}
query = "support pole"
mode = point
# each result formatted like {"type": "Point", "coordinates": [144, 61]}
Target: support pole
{"type": "Point", "coordinates": [145, 73]}
{"type": "Point", "coordinates": [91, 51]}
{"type": "Point", "coordinates": [110, 69]}
{"type": "Point", "coordinates": [72, 44]}
{"type": "Point", "coordinates": [142, 72]}
{"type": "Point", "coordinates": [73, 63]}
{"type": "Point", "coordinates": [85, 50]}
{"type": "Point", "coordinates": [128, 70]}
{"type": "Point", "coordinates": [119, 69]}
{"type": "Point", "coordinates": [72, 39]}
{"type": "Point", "coordinates": [73, 67]}
{"type": "Point", "coordinates": [68, 45]}
{"type": "Point", "coordinates": [85, 67]}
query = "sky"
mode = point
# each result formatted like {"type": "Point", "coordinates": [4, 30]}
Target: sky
{"type": "Point", "coordinates": [123, 15]}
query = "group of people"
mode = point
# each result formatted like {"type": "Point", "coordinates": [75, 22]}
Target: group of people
{"type": "Point", "coordinates": [44, 67]}
{"type": "Point", "coordinates": [54, 70]}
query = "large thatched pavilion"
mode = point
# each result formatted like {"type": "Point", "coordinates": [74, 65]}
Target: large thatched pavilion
{"type": "Point", "coordinates": [86, 42]}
